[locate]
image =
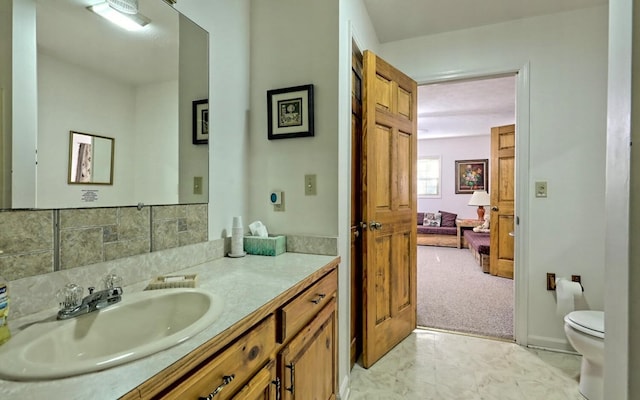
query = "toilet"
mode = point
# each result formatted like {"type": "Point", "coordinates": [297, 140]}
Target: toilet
{"type": "Point", "coordinates": [585, 332]}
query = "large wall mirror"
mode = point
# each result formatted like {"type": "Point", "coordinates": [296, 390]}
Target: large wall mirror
{"type": "Point", "coordinates": [135, 87]}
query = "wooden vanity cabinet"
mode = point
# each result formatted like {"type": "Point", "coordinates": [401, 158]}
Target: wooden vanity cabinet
{"type": "Point", "coordinates": [307, 363]}
{"type": "Point", "coordinates": [285, 350]}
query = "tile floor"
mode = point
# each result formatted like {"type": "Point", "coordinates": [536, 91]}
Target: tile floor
{"type": "Point", "coordinates": [443, 366]}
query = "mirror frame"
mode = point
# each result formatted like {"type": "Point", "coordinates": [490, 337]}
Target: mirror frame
{"type": "Point", "coordinates": [71, 142]}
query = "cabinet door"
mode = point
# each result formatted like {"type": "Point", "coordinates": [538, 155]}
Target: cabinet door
{"type": "Point", "coordinates": [308, 364]}
{"type": "Point", "coordinates": [262, 386]}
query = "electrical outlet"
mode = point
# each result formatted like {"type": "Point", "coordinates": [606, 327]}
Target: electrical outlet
{"type": "Point", "coordinates": [310, 185]}
{"type": "Point", "coordinates": [197, 185]}
{"type": "Point", "coordinates": [541, 189]}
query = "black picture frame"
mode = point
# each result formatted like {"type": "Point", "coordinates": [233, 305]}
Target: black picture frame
{"type": "Point", "coordinates": [290, 112]}
{"type": "Point", "coordinates": [200, 121]}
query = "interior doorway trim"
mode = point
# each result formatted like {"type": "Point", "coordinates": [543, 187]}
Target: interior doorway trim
{"type": "Point", "coordinates": [521, 256]}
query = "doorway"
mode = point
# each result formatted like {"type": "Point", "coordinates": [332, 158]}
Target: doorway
{"type": "Point", "coordinates": [455, 123]}
{"type": "Point", "coordinates": [521, 212]}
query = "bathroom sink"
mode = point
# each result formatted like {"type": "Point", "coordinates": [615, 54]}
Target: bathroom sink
{"type": "Point", "coordinates": [141, 324]}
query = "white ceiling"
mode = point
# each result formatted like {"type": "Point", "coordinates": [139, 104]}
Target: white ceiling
{"type": "Point", "coordinates": [465, 108]}
{"type": "Point", "coordinates": [469, 107]}
{"type": "Point", "coordinates": [68, 31]}
{"type": "Point", "coordinates": [403, 19]}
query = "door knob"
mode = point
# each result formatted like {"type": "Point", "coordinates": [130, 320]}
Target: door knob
{"type": "Point", "coordinates": [373, 225]}
{"type": "Point", "coordinates": [494, 208]}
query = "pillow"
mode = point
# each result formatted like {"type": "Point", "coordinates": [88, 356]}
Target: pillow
{"type": "Point", "coordinates": [448, 219]}
{"type": "Point", "coordinates": [432, 219]}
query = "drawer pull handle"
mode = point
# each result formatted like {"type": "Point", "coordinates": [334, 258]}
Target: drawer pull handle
{"type": "Point", "coordinates": [225, 381]}
{"type": "Point", "coordinates": [292, 371]}
{"type": "Point", "coordinates": [276, 382]}
{"type": "Point", "coordinates": [318, 298]}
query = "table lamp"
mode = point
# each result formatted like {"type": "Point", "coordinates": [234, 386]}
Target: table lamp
{"type": "Point", "coordinates": [480, 198]}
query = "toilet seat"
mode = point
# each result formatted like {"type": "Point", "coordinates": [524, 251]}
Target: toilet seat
{"type": "Point", "coordinates": [587, 321]}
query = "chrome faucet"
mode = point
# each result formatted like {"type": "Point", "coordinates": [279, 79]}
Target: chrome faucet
{"type": "Point", "coordinates": [71, 307]}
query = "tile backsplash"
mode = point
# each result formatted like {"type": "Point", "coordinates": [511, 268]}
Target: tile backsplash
{"type": "Point", "coordinates": [35, 242]}
{"type": "Point", "coordinates": [42, 250]}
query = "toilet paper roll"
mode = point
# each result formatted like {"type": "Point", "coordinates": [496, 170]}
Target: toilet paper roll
{"type": "Point", "coordinates": [237, 222]}
{"type": "Point", "coordinates": [566, 293]}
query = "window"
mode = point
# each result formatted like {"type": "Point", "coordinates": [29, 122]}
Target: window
{"type": "Point", "coordinates": [429, 176]}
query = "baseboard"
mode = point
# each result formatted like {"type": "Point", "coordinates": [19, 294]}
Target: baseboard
{"type": "Point", "coordinates": [345, 388]}
{"type": "Point", "coordinates": [550, 344]}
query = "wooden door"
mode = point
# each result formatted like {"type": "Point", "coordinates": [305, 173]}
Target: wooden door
{"type": "Point", "coordinates": [389, 206]}
{"type": "Point", "coordinates": [308, 363]}
{"type": "Point", "coordinates": [356, 206]}
{"type": "Point", "coordinates": [503, 161]}
{"type": "Point", "coordinates": [262, 386]}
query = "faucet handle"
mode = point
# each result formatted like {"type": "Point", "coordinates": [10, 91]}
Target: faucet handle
{"type": "Point", "coordinates": [70, 296]}
{"type": "Point", "coordinates": [111, 281]}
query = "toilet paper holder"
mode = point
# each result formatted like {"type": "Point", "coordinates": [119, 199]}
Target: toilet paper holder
{"type": "Point", "coordinates": [551, 281]}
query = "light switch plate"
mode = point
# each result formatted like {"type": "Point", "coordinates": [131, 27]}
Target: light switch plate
{"type": "Point", "coordinates": [541, 189]}
{"type": "Point", "coordinates": [310, 188]}
{"type": "Point", "coordinates": [197, 185]}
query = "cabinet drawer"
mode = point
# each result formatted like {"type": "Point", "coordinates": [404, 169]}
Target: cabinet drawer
{"type": "Point", "coordinates": [299, 311]}
{"type": "Point", "coordinates": [262, 386]}
{"type": "Point", "coordinates": [240, 360]}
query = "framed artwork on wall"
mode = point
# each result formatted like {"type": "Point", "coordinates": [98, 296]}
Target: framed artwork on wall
{"type": "Point", "coordinates": [201, 121]}
{"type": "Point", "coordinates": [471, 175]}
{"type": "Point", "coordinates": [290, 112]}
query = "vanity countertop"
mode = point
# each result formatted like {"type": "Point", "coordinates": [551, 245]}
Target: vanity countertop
{"type": "Point", "coordinates": [246, 284]}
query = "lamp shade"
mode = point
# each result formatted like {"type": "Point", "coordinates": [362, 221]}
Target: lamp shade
{"type": "Point", "coordinates": [480, 198]}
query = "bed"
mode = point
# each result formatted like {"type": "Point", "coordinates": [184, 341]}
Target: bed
{"type": "Point", "coordinates": [479, 244]}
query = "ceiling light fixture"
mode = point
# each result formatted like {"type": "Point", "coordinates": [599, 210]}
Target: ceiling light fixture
{"type": "Point", "coordinates": [130, 22]}
{"type": "Point", "coordinates": [124, 6]}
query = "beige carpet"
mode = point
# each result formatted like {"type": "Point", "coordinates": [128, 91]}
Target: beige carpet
{"type": "Point", "coordinates": [454, 294]}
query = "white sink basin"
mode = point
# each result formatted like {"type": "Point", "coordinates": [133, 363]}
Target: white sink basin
{"type": "Point", "coordinates": [141, 324]}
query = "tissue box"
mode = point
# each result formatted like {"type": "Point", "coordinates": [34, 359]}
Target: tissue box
{"type": "Point", "coordinates": [265, 246]}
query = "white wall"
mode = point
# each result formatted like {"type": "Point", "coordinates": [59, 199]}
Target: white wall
{"type": "Point", "coordinates": [449, 150]}
{"type": "Point", "coordinates": [355, 24]}
{"type": "Point", "coordinates": [194, 54]}
{"type": "Point", "coordinates": [156, 122]}
{"type": "Point", "coordinates": [145, 118]}
{"type": "Point", "coordinates": [6, 26]}
{"type": "Point", "coordinates": [228, 25]}
{"type": "Point", "coordinates": [567, 54]}
{"type": "Point", "coordinates": [294, 43]}
{"type": "Point", "coordinates": [634, 222]}
{"type": "Point", "coordinates": [621, 309]}
{"type": "Point", "coordinates": [23, 99]}
{"type": "Point", "coordinates": [74, 99]}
